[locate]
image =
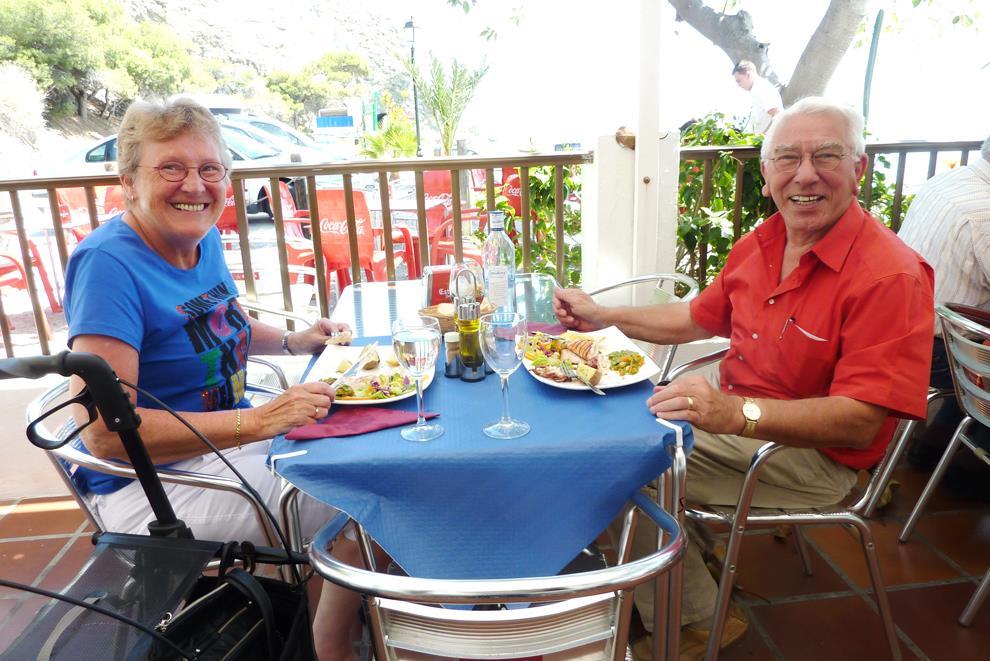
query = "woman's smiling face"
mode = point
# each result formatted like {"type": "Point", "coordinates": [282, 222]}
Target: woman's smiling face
{"type": "Point", "coordinates": [182, 212]}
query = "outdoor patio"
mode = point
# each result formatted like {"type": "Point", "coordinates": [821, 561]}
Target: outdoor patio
{"type": "Point", "coordinates": [44, 542]}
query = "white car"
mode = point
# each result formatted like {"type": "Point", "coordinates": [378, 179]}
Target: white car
{"type": "Point", "coordinates": [245, 152]}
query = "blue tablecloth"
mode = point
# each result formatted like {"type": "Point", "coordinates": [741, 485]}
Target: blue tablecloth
{"type": "Point", "coordinates": [468, 506]}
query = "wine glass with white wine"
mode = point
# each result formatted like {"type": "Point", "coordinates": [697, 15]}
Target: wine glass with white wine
{"type": "Point", "coordinates": [416, 342]}
{"type": "Point", "coordinates": [503, 339]}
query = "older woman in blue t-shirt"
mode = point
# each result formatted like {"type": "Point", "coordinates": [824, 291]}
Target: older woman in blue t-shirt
{"type": "Point", "coordinates": [150, 293]}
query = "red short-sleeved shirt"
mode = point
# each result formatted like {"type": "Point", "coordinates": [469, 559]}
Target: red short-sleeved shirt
{"type": "Point", "coordinates": [855, 318]}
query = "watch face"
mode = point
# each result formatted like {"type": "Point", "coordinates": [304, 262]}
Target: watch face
{"type": "Point", "coordinates": [751, 411]}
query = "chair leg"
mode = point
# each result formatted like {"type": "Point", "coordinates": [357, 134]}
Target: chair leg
{"type": "Point", "coordinates": [725, 584]}
{"type": "Point", "coordinates": [933, 481]}
{"type": "Point", "coordinates": [802, 549]}
{"type": "Point", "coordinates": [966, 619]}
{"type": "Point", "coordinates": [876, 579]}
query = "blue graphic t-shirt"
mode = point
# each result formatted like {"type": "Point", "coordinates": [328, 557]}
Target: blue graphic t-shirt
{"type": "Point", "coordinates": [190, 334]}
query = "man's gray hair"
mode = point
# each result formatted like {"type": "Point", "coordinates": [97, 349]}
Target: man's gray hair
{"type": "Point", "coordinates": [817, 105]}
{"type": "Point", "coordinates": [985, 149]}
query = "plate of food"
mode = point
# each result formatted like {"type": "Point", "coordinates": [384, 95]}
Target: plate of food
{"type": "Point", "coordinates": [378, 380]}
{"type": "Point", "coordinates": [605, 358]}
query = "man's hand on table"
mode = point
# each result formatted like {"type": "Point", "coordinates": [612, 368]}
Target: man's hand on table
{"type": "Point", "coordinates": [692, 398]}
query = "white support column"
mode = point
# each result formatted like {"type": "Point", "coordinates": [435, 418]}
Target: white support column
{"type": "Point", "coordinates": [647, 170]}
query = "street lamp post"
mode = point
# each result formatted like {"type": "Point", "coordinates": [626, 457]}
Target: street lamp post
{"type": "Point", "coordinates": [411, 32]}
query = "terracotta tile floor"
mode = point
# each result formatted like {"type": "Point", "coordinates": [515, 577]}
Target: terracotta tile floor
{"type": "Point", "coordinates": [793, 616]}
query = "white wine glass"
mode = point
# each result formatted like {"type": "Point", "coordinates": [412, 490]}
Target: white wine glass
{"type": "Point", "coordinates": [503, 339]}
{"type": "Point", "coordinates": [416, 342]}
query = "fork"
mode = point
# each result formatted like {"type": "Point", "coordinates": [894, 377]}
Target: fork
{"type": "Point", "coordinates": [350, 371]}
{"type": "Point", "coordinates": [572, 373]}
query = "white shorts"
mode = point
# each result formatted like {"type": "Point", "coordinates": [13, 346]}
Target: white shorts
{"type": "Point", "coordinates": [212, 514]}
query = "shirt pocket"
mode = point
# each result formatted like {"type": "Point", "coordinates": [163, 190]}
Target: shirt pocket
{"type": "Point", "coordinates": [807, 359]}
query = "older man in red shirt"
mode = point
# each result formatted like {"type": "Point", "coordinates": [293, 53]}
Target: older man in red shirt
{"type": "Point", "coordinates": [829, 318]}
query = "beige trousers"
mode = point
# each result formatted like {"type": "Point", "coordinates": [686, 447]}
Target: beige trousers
{"type": "Point", "coordinates": [791, 478]}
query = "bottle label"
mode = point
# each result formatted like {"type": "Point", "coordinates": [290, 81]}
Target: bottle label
{"type": "Point", "coordinates": [496, 220]}
{"type": "Point", "coordinates": [498, 285]}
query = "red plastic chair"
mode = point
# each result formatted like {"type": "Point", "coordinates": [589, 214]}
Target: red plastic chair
{"type": "Point", "coordinates": [74, 212]}
{"type": "Point", "coordinates": [113, 201]}
{"type": "Point", "coordinates": [335, 242]}
{"type": "Point", "coordinates": [12, 274]}
{"type": "Point", "coordinates": [298, 248]}
{"type": "Point", "coordinates": [442, 239]}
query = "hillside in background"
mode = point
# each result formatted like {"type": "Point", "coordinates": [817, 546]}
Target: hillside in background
{"type": "Point", "coordinates": [260, 36]}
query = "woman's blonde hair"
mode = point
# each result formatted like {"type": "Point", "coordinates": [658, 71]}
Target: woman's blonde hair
{"type": "Point", "coordinates": [145, 121]}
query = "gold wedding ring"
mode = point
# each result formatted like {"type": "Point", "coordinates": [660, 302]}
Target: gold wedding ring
{"type": "Point", "coordinates": [690, 403]}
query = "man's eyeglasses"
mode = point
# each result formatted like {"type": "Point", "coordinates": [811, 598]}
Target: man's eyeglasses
{"type": "Point", "coordinates": [211, 172]}
{"type": "Point", "coordinates": [823, 161]}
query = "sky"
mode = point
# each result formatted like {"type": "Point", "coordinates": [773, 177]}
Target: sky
{"type": "Point", "coordinates": [569, 72]}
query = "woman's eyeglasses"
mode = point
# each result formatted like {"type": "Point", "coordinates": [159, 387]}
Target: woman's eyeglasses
{"type": "Point", "coordinates": [211, 172]}
{"type": "Point", "coordinates": [823, 161]}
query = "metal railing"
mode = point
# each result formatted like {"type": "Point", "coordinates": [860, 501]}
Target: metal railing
{"type": "Point", "coordinates": [61, 226]}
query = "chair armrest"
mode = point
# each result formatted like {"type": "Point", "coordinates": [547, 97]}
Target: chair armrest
{"type": "Point", "coordinates": [279, 374]}
{"type": "Point", "coordinates": [253, 306]}
{"type": "Point", "coordinates": [701, 361]}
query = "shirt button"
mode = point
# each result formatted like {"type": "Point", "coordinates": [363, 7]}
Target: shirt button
{"type": "Point", "coordinates": [740, 357]}
{"type": "Point", "coordinates": [770, 301]}
{"type": "Point", "coordinates": [755, 336]}
{"type": "Point", "coordinates": [730, 386]}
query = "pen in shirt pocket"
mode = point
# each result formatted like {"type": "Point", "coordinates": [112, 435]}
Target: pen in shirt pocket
{"type": "Point", "coordinates": [791, 322]}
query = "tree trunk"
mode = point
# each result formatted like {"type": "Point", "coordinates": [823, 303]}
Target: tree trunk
{"type": "Point", "coordinates": [825, 49]}
{"type": "Point", "coordinates": [82, 107]}
{"type": "Point", "coordinates": [733, 34]}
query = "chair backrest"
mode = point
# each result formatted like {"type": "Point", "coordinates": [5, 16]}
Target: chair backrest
{"type": "Point", "coordinates": [113, 200]}
{"type": "Point", "coordinates": [967, 343]}
{"type": "Point", "coordinates": [227, 223]}
{"type": "Point", "coordinates": [333, 228]}
{"type": "Point", "coordinates": [580, 615]}
{"type": "Point", "coordinates": [436, 183]}
{"type": "Point", "coordinates": [649, 289]}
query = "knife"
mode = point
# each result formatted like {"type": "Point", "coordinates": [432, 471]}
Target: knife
{"type": "Point", "coordinates": [573, 373]}
{"type": "Point", "coordinates": [350, 371]}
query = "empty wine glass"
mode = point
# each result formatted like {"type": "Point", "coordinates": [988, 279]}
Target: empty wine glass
{"type": "Point", "coordinates": [503, 338]}
{"type": "Point", "coordinates": [416, 342]}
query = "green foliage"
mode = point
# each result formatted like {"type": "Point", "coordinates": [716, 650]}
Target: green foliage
{"type": "Point", "coordinates": [705, 230]}
{"type": "Point", "coordinates": [397, 139]}
{"type": "Point", "coordinates": [331, 76]}
{"type": "Point", "coordinates": [543, 253]}
{"type": "Point", "coordinates": [445, 98]}
{"type": "Point", "coordinates": [74, 50]}
{"type": "Point", "coordinates": [543, 236]}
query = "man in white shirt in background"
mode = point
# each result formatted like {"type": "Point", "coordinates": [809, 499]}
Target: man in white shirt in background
{"type": "Point", "coordinates": [948, 223]}
{"type": "Point", "coordinates": [764, 97]}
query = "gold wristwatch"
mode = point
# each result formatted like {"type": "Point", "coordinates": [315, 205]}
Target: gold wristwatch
{"type": "Point", "coordinates": [752, 412]}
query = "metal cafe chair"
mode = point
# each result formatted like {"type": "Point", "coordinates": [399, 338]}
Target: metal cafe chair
{"type": "Point", "coordinates": [662, 356]}
{"type": "Point", "coordinates": [66, 458]}
{"type": "Point", "coordinates": [580, 615]}
{"type": "Point", "coordinates": [853, 513]}
{"type": "Point", "coordinates": [967, 344]}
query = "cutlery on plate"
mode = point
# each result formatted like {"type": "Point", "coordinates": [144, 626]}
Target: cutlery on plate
{"type": "Point", "coordinates": [350, 371]}
{"type": "Point", "coordinates": [572, 373]}
{"type": "Point", "coordinates": [550, 335]}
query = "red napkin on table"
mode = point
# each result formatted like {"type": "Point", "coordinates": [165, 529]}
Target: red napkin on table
{"type": "Point", "coordinates": [354, 420]}
{"type": "Point", "coordinates": [551, 329]}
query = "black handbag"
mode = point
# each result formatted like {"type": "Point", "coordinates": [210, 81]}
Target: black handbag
{"type": "Point", "coordinates": [236, 615]}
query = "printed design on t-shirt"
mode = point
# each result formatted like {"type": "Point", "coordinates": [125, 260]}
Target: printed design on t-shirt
{"type": "Point", "coordinates": [219, 332]}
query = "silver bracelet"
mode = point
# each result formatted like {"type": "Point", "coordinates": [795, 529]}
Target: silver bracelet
{"type": "Point", "coordinates": [285, 344]}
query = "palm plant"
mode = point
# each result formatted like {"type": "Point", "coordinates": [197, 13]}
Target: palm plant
{"type": "Point", "coordinates": [396, 140]}
{"type": "Point", "coordinates": [445, 98]}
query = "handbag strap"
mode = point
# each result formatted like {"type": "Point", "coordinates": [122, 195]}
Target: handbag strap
{"type": "Point", "coordinates": [45, 653]}
{"type": "Point", "coordinates": [252, 589]}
